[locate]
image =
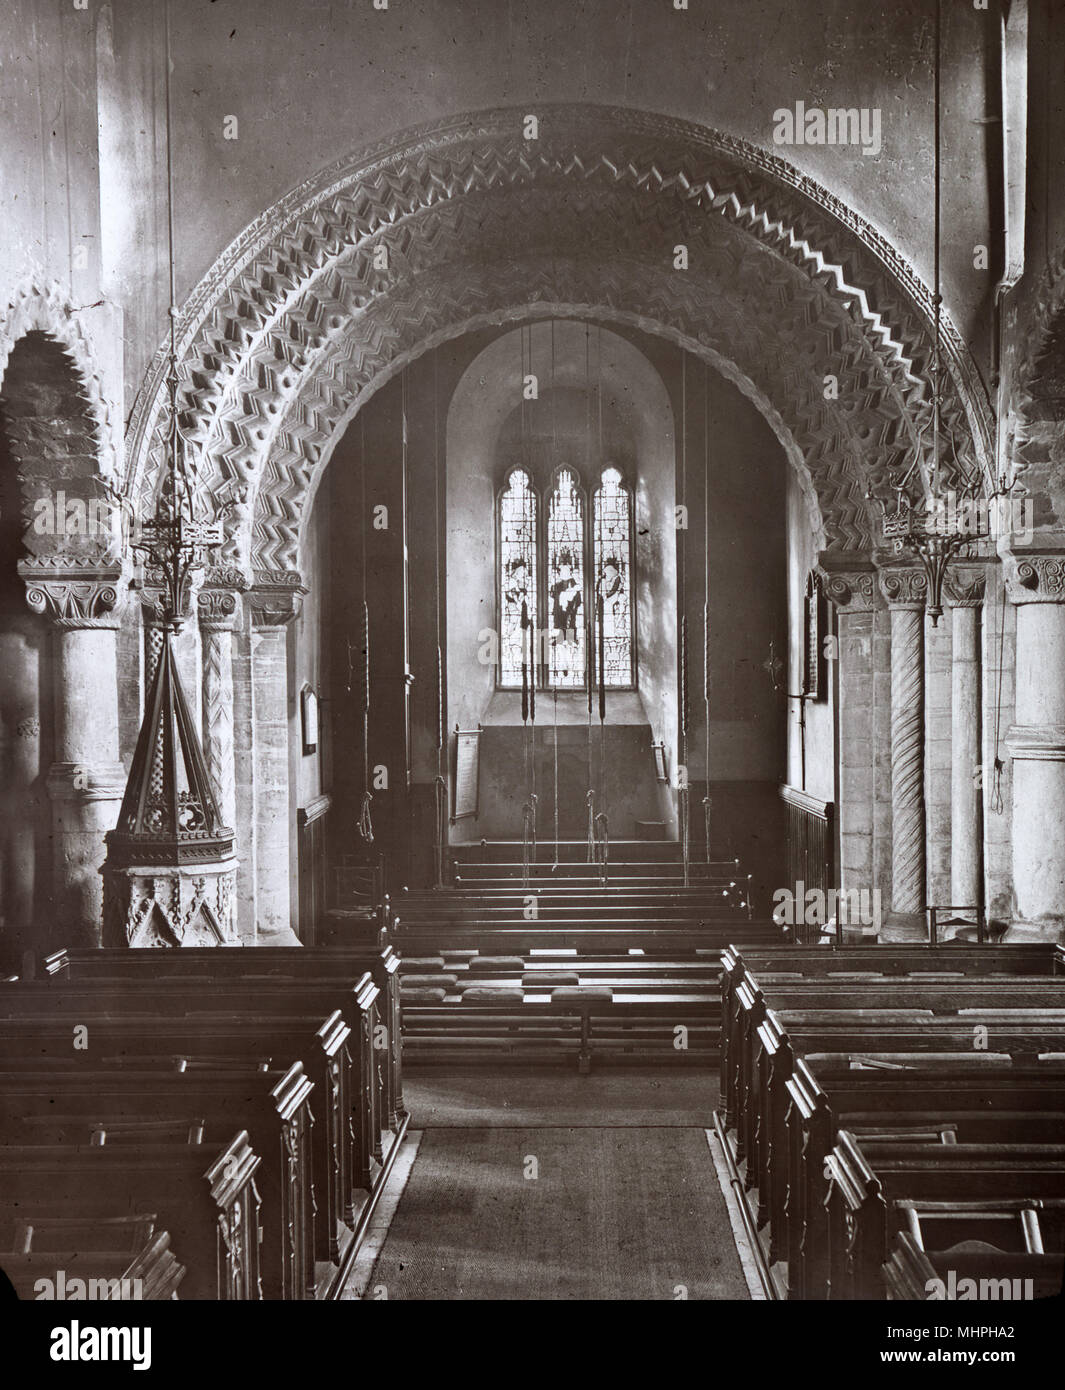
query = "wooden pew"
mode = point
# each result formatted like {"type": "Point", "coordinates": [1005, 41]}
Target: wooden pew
{"type": "Point", "coordinates": [785, 1125]}
{"type": "Point", "coordinates": [1000, 1010]}
{"type": "Point", "coordinates": [923, 1268]}
{"type": "Point", "coordinates": [207, 1200]}
{"type": "Point", "coordinates": [867, 1179]}
{"type": "Point", "coordinates": [220, 1045]}
{"type": "Point", "coordinates": [980, 1099]}
{"type": "Point", "coordinates": [151, 1275]}
{"type": "Point", "coordinates": [120, 1105]}
{"type": "Point", "coordinates": [326, 965]}
{"type": "Point", "coordinates": [282, 999]}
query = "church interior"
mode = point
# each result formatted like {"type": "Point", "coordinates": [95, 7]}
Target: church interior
{"type": "Point", "coordinates": [532, 650]}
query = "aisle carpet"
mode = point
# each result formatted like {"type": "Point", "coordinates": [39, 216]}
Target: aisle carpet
{"type": "Point", "coordinates": [481, 1099]}
{"type": "Point", "coordinates": [552, 1213]}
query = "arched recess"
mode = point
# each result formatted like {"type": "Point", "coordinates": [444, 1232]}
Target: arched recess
{"type": "Point", "coordinates": [39, 308]}
{"type": "Point", "coordinates": [484, 438]}
{"type": "Point", "coordinates": [377, 259]}
{"type": "Point", "coordinates": [49, 441]}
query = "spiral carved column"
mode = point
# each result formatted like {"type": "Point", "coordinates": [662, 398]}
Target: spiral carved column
{"type": "Point", "coordinates": [219, 610]}
{"type": "Point", "coordinates": [905, 591]}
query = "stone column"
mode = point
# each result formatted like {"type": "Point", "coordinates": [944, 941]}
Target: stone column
{"type": "Point", "coordinates": [273, 606]}
{"type": "Point", "coordinates": [219, 607]}
{"type": "Point", "coordinates": [855, 597]}
{"type": "Point", "coordinates": [966, 592]}
{"type": "Point", "coordinates": [1036, 742]}
{"type": "Point", "coordinates": [87, 779]}
{"type": "Point", "coordinates": [904, 590]}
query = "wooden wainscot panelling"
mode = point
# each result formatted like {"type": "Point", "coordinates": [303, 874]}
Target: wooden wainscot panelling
{"type": "Point", "coordinates": [312, 822]}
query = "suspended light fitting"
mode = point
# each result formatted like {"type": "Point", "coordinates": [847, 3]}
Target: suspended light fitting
{"type": "Point", "coordinates": [943, 522]}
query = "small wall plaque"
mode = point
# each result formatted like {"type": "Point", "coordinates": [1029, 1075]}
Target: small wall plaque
{"type": "Point", "coordinates": [661, 772]}
{"type": "Point", "coordinates": [309, 719]}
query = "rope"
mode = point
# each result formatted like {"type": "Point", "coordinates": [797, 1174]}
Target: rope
{"type": "Point", "coordinates": [707, 804]}
{"type": "Point", "coordinates": [682, 790]}
{"type": "Point", "coordinates": [528, 838]}
{"type": "Point", "coordinates": [555, 716]}
{"type": "Point", "coordinates": [441, 713]}
{"type": "Point", "coordinates": [602, 830]}
{"type": "Point", "coordinates": [684, 831]}
{"type": "Point", "coordinates": [365, 822]}
{"type": "Point", "coordinates": [440, 783]}
{"type": "Point", "coordinates": [682, 769]}
{"type": "Point", "coordinates": [590, 802]}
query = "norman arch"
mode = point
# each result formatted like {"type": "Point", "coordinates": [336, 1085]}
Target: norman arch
{"type": "Point", "coordinates": [376, 260]}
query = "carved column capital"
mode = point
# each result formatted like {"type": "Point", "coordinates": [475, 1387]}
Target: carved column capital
{"type": "Point", "coordinates": [276, 597]}
{"type": "Point", "coordinates": [965, 586]}
{"type": "Point", "coordinates": [904, 589]}
{"type": "Point", "coordinates": [219, 607]}
{"type": "Point", "coordinates": [850, 590]}
{"type": "Point", "coordinates": [1034, 578]}
{"type": "Point", "coordinates": [75, 599]}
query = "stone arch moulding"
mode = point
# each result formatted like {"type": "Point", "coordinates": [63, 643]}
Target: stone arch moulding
{"type": "Point", "coordinates": [39, 308]}
{"type": "Point", "coordinates": [465, 223]}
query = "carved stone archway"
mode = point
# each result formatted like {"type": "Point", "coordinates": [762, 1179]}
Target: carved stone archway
{"type": "Point", "coordinates": [59, 436]}
{"type": "Point", "coordinates": [385, 255]}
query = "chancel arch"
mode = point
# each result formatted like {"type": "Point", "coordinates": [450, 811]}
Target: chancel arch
{"type": "Point", "coordinates": [463, 229]}
{"type": "Point", "coordinates": [296, 323]}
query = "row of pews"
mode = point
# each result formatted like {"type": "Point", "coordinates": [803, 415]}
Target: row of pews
{"type": "Point", "coordinates": [546, 964]}
{"type": "Point", "coordinates": [216, 1123]}
{"type": "Point", "coordinates": [895, 1117]}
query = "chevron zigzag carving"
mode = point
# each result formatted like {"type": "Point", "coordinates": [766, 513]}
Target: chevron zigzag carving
{"type": "Point", "coordinates": [294, 325]}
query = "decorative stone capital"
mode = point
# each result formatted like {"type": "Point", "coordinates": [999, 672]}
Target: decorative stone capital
{"type": "Point", "coordinates": [276, 597]}
{"type": "Point", "coordinates": [219, 609]}
{"type": "Point", "coordinates": [904, 590]}
{"type": "Point", "coordinates": [76, 602]}
{"type": "Point", "coordinates": [152, 590]}
{"type": "Point", "coordinates": [850, 590]}
{"type": "Point", "coordinates": [965, 586]}
{"type": "Point", "coordinates": [1034, 578]}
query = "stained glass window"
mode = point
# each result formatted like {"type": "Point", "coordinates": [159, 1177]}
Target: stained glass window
{"type": "Point", "coordinates": [565, 584]}
{"type": "Point", "coordinates": [517, 575]}
{"type": "Point", "coordinates": [552, 573]}
{"type": "Point", "coordinates": [612, 557]}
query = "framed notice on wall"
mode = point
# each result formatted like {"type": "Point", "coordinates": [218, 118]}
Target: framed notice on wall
{"type": "Point", "coordinates": [467, 771]}
{"type": "Point", "coordinates": [814, 683]}
{"type": "Point", "coordinates": [309, 718]}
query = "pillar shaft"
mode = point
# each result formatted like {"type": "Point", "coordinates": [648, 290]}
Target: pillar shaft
{"type": "Point", "coordinates": [219, 611]}
{"type": "Point", "coordinates": [272, 609]}
{"type": "Point", "coordinates": [966, 774]}
{"type": "Point", "coordinates": [1036, 742]}
{"type": "Point", "coordinates": [87, 779]}
{"type": "Point", "coordinates": [905, 591]}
